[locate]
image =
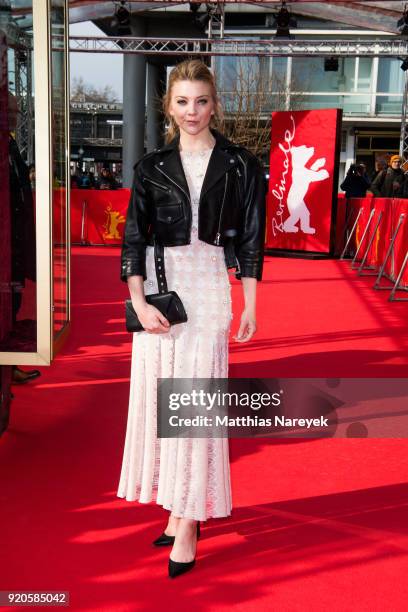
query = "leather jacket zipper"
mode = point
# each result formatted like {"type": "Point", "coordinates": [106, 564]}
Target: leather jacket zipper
{"type": "Point", "coordinates": [245, 172]}
{"type": "Point", "coordinates": [159, 185]}
{"type": "Point", "coordinates": [218, 235]}
{"type": "Point", "coordinates": [239, 189]}
{"type": "Point", "coordinates": [183, 190]}
{"type": "Point", "coordinates": [174, 183]}
{"type": "Point", "coordinates": [239, 183]}
{"type": "Point", "coordinates": [238, 266]}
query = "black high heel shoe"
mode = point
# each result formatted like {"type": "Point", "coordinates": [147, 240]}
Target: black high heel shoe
{"type": "Point", "coordinates": [164, 540]}
{"type": "Point", "coordinates": [167, 540]}
{"type": "Point", "coordinates": [176, 568]}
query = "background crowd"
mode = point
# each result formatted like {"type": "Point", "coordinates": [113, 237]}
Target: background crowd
{"type": "Point", "coordinates": [87, 180]}
{"type": "Point", "coordinates": [388, 181]}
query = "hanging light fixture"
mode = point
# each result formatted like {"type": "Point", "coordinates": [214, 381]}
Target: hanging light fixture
{"type": "Point", "coordinates": [121, 18]}
{"type": "Point", "coordinates": [403, 22]}
{"type": "Point", "coordinates": [284, 21]}
{"type": "Point", "coordinates": [331, 64]}
{"type": "Point", "coordinates": [404, 65]}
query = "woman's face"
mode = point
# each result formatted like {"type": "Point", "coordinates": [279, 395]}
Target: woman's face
{"type": "Point", "coordinates": [191, 106]}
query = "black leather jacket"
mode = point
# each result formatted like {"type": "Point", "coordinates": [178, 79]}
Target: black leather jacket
{"type": "Point", "coordinates": [231, 209]}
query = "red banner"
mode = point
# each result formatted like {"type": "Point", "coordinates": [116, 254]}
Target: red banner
{"type": "Point", "coordinates": [98, 217]}
{"type": "Point", "coordinates": [383, 233]}
{"type": "Point", "coordinates": [303, 176]}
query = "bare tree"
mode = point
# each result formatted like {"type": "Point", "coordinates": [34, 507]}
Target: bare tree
{"type": "Point", "coordinates": [85, 92]}
{"type": "Point", "coordinates": [250, 101]}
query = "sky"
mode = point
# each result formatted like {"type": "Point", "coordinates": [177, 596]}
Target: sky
{"type": "Point", "coordinates": [98, 69]}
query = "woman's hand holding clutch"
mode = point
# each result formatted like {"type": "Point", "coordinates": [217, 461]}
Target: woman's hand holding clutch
{"type": "Point", "coordinates": [151, 318]}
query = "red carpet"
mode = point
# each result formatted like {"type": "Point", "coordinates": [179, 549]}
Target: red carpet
{"type": "Point", "coordinates": [316, 524]}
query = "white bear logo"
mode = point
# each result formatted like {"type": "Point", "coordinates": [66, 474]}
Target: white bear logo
{"type": "Point", "coordinates": [301, 179]}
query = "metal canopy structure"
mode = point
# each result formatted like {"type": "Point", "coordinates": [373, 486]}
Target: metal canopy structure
{"type": "Point", "coordinates": [376, 15]}
{"type": "Point", "coordinates": [228, 46]}
{"type": "Point", "coordinates": [381, 15]}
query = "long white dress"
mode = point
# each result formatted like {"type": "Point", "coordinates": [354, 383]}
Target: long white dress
{"type": "Point", "coordinates": [188, 476]}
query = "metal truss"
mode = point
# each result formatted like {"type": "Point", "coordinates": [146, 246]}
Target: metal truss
{"type": "Point", "coordinates": [404, 122]}
{"type": "Point", "coordinates": [216, 25]}
{"type": "Point", "coordinates": [215, 46]}
{"type": "Point", "coordinates": [97, 142]}
{"type": "Point", "coordinates": [21, 74]}
{"type": "Point", "coordinates": [23, 88]}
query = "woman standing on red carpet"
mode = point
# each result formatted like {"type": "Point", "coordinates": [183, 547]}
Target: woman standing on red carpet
{"type": "Point", "coordinates": [203, 198]}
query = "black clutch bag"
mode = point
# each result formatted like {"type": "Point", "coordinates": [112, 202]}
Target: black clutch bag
{"type": "Point", "coordinates": [168, 302]}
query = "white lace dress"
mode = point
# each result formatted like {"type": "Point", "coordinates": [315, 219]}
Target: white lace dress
{"type": "Point", "coordinates": [189, 476]}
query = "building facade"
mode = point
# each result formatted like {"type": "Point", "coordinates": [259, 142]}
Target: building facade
{"type": "Point", "coordinates": [368, 90]}
{"type": "Point", "coordinates": [96, 136]}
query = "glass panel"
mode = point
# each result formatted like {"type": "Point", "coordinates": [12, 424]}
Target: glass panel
{"type": "Point", "coordinates": [364, 74]}
{"type": "Point", "coordinates": [59, 170]}
{"type": "Point", "coordinates": [279, 66]}
{"type": "Point", "coordinates": [359, 105]}
{"type": "Point", "coordinates": [388, 105]}
{"type": "Point", "coordinates": [308, 74]}
{"type": "Point", "coordinates": [315, 102]}
{"type": "Point", "coordinates": [238, 73]}
{"type": "Point", "coordinates": [18, 327]}
{"type": "Point", "coordinates": [246, 83]}
{"type": "Point", "coordinates": [261, 102]}
{"type": "Point", "coordinates": [390, 76]}
{"type": "Point", "coordinates": [350, 104]}
{"type": "Point", "coordinates": [81, 126]}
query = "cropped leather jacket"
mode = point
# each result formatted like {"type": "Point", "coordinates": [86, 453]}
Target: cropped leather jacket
{"type": "Point", "coordinates": [231, 210]}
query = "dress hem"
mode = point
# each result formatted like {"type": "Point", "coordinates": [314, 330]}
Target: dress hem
{"type": "Point", "coordinates": [196, 518]}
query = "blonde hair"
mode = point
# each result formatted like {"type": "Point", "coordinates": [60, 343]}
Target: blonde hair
{"type": "Point", "coordinates": [191, 70]}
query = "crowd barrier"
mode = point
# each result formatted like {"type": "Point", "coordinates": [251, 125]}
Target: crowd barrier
{"type": "Point", "coordinates": [378, 229]}
{"type": "Point", "coordinates": [98, 217]}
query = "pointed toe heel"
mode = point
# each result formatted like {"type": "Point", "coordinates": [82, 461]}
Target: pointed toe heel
{"type": "Point", "coordinates": [176, 568]}
{"type": "Point", "coordinates": [164, 540]}
{"type": "Point", "coordinates": [167, 540]}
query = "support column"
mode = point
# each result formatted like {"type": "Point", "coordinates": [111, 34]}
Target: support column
{"type": "Point", "coordinates": [134, 99]}
{"type": "Point", "coordinates": [153, 107]}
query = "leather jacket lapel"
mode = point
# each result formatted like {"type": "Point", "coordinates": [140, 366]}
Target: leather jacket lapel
{"type": "Point", "coordinates": [172, 167]}
{"type": "Point", "coordinates": [220, 162]}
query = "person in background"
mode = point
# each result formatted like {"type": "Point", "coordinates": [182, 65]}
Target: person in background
{"type": "Point", "coordinates": [31, 176]}
{"type": "Point", "coordinates": [92, 180]}
{"type": "Point", "coordinates": [380, 165]}
{"type": "Point", "coordinates": [22, 216]}
{"type": "Point", "coordinates": [84, 181]}
{"type": "Point", "coordinates": [356, 182]}
{"type": "Point", "coordinates": [404, 188]}
{"type": "Point", "coordinates": [74, 181]}
{"type": "Point", "coordinates": [388, 183]}
{"type": "Point", "coordinates": [107, 180]}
